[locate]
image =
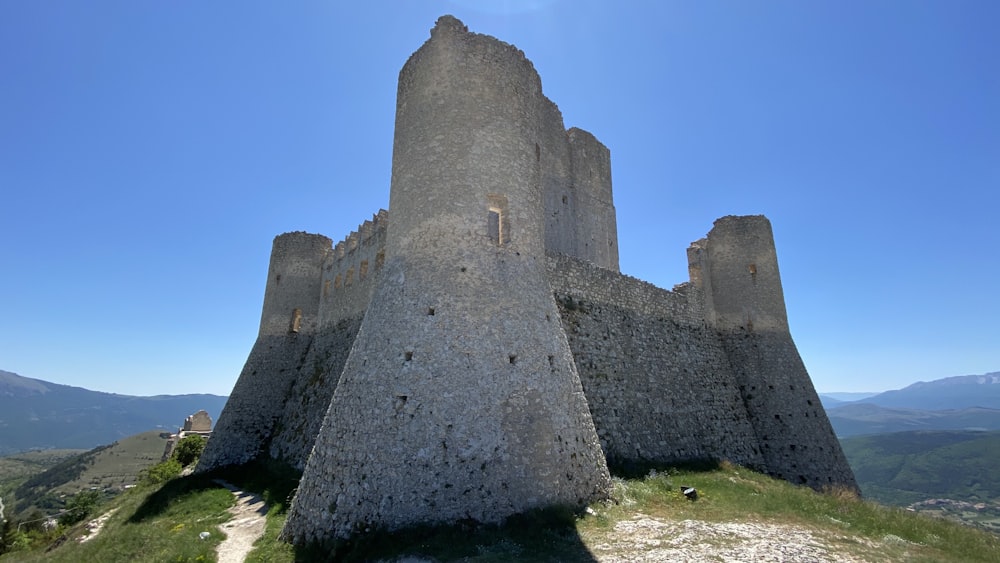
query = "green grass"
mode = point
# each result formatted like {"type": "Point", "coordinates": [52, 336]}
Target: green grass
{"type": "Point", "coordinates": [163, 524]}
{"type": "Point", "coordinates": [732, 493]}
{"type": "Point", "coordinates": [727, 493]}
{"type": "Point", "coordinates": [150, 524]}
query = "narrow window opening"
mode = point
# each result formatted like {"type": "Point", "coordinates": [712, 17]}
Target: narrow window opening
{"type": "Point", "coordinates": [565, 200]}
{"type": "Point", "coordinates": [277, 278]}
{"type": "Point", "coordinates": [408, 355]}
{"type": "Point", "coordinates": [296, 320]}
{"type": "Point", "coordinates": [498, 219]}
{"type": "Point", "coordinates": [430, 311]}
{"type": "Point", "coordinates": [512, 358]}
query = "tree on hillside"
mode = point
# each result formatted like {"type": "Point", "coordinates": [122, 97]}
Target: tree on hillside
{"type": "Point", "coordinates": [79, 507]}
{"type": "Point", "coordinates": [7, 536]}
{"type": "Point", "coordinates": [189, 449]}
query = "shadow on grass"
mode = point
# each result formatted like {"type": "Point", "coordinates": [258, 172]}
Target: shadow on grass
{"type": "Point", "coordinates": [540, 535]}
{"type": "Point", "coordinates": [547, 534]}
{"type": "Point", "coordinates": [274, 480]}
{"type": "Point", "coordinates": [158, 502]}
{"type": "Point", "coordinates": [631, 469]}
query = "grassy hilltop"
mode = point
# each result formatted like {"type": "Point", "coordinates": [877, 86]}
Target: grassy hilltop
{"type": "Point", "coordinates": [738, 513]}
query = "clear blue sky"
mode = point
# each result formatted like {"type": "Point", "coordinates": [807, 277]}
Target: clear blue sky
{"type": "Point", "coordinates": [150, 152]}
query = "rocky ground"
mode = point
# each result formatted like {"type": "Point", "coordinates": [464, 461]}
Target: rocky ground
{"type": "Point", "coordinates": [95, 526]}
{"type": "Point", "coordinates": [644, 538]}
{"type": "Point", "coordinates": [244, 528]}
{"type": "Point", "coordinates": [648, 539]}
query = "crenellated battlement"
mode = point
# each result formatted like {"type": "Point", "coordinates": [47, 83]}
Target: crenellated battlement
{"type": "Point", "coordinates": [349, 272]}
{"type": "Point", "coordinates": [373, 228]}
{"type": "Point", "coordinates": [481, 354]}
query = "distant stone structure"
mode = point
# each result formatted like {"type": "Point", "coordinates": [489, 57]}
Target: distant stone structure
{"type": "Point", "coordinates": [477, 353]}
{"type": "Point", "coordinates": [199, 423]}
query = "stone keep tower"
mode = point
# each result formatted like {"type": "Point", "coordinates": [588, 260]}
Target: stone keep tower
{"type": "Point", "coordinates": [460, 398]}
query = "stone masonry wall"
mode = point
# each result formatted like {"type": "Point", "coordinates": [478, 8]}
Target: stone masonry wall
{"type": "Point", "coordinates": [657, 379]}
{"type": "Point", "coordinates": [251, 414]}
{"type": "Point", "coordinates": [308, 398]}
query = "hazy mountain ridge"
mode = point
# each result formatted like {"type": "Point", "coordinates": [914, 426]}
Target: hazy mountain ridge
{"type": "Point", "coordinates": [36, 414]}
{"type": "Point", "coordinates": [958, 392]}
{"type": "Point", "coordinates": [965, 402]}
{"type": "Point", "coordinates": [854, 419]}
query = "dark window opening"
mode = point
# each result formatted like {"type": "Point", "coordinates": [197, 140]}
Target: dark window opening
{"type": "Point", "coordinates": [493, 226]}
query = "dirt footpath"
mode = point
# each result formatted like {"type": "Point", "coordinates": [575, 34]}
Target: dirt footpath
{"type": "Point", "coordinates": [245, 527]}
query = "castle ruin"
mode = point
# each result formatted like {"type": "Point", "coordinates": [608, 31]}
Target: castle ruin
{"type": "Point", "coordinates": [474, 352]}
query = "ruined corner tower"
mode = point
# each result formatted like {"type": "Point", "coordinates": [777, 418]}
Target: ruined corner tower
{"type": "Point", "coordinates": [736, 267]}
{"type": "Point", "coordinates": [460, 398]}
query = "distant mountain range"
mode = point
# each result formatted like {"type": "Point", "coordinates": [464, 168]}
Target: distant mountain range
{"type": "Point", "coordinates": [967, 402]}
{"type": "Point", "coordinates": [36, 414]}
{"type": "Point", "coordinates": [959, 392]}
{"type": "Point", "coordinates": [853, 419]}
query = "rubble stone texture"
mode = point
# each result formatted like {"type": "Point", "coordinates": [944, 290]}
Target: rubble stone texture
{"type": "Point", "coordinates": [477, 353]}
